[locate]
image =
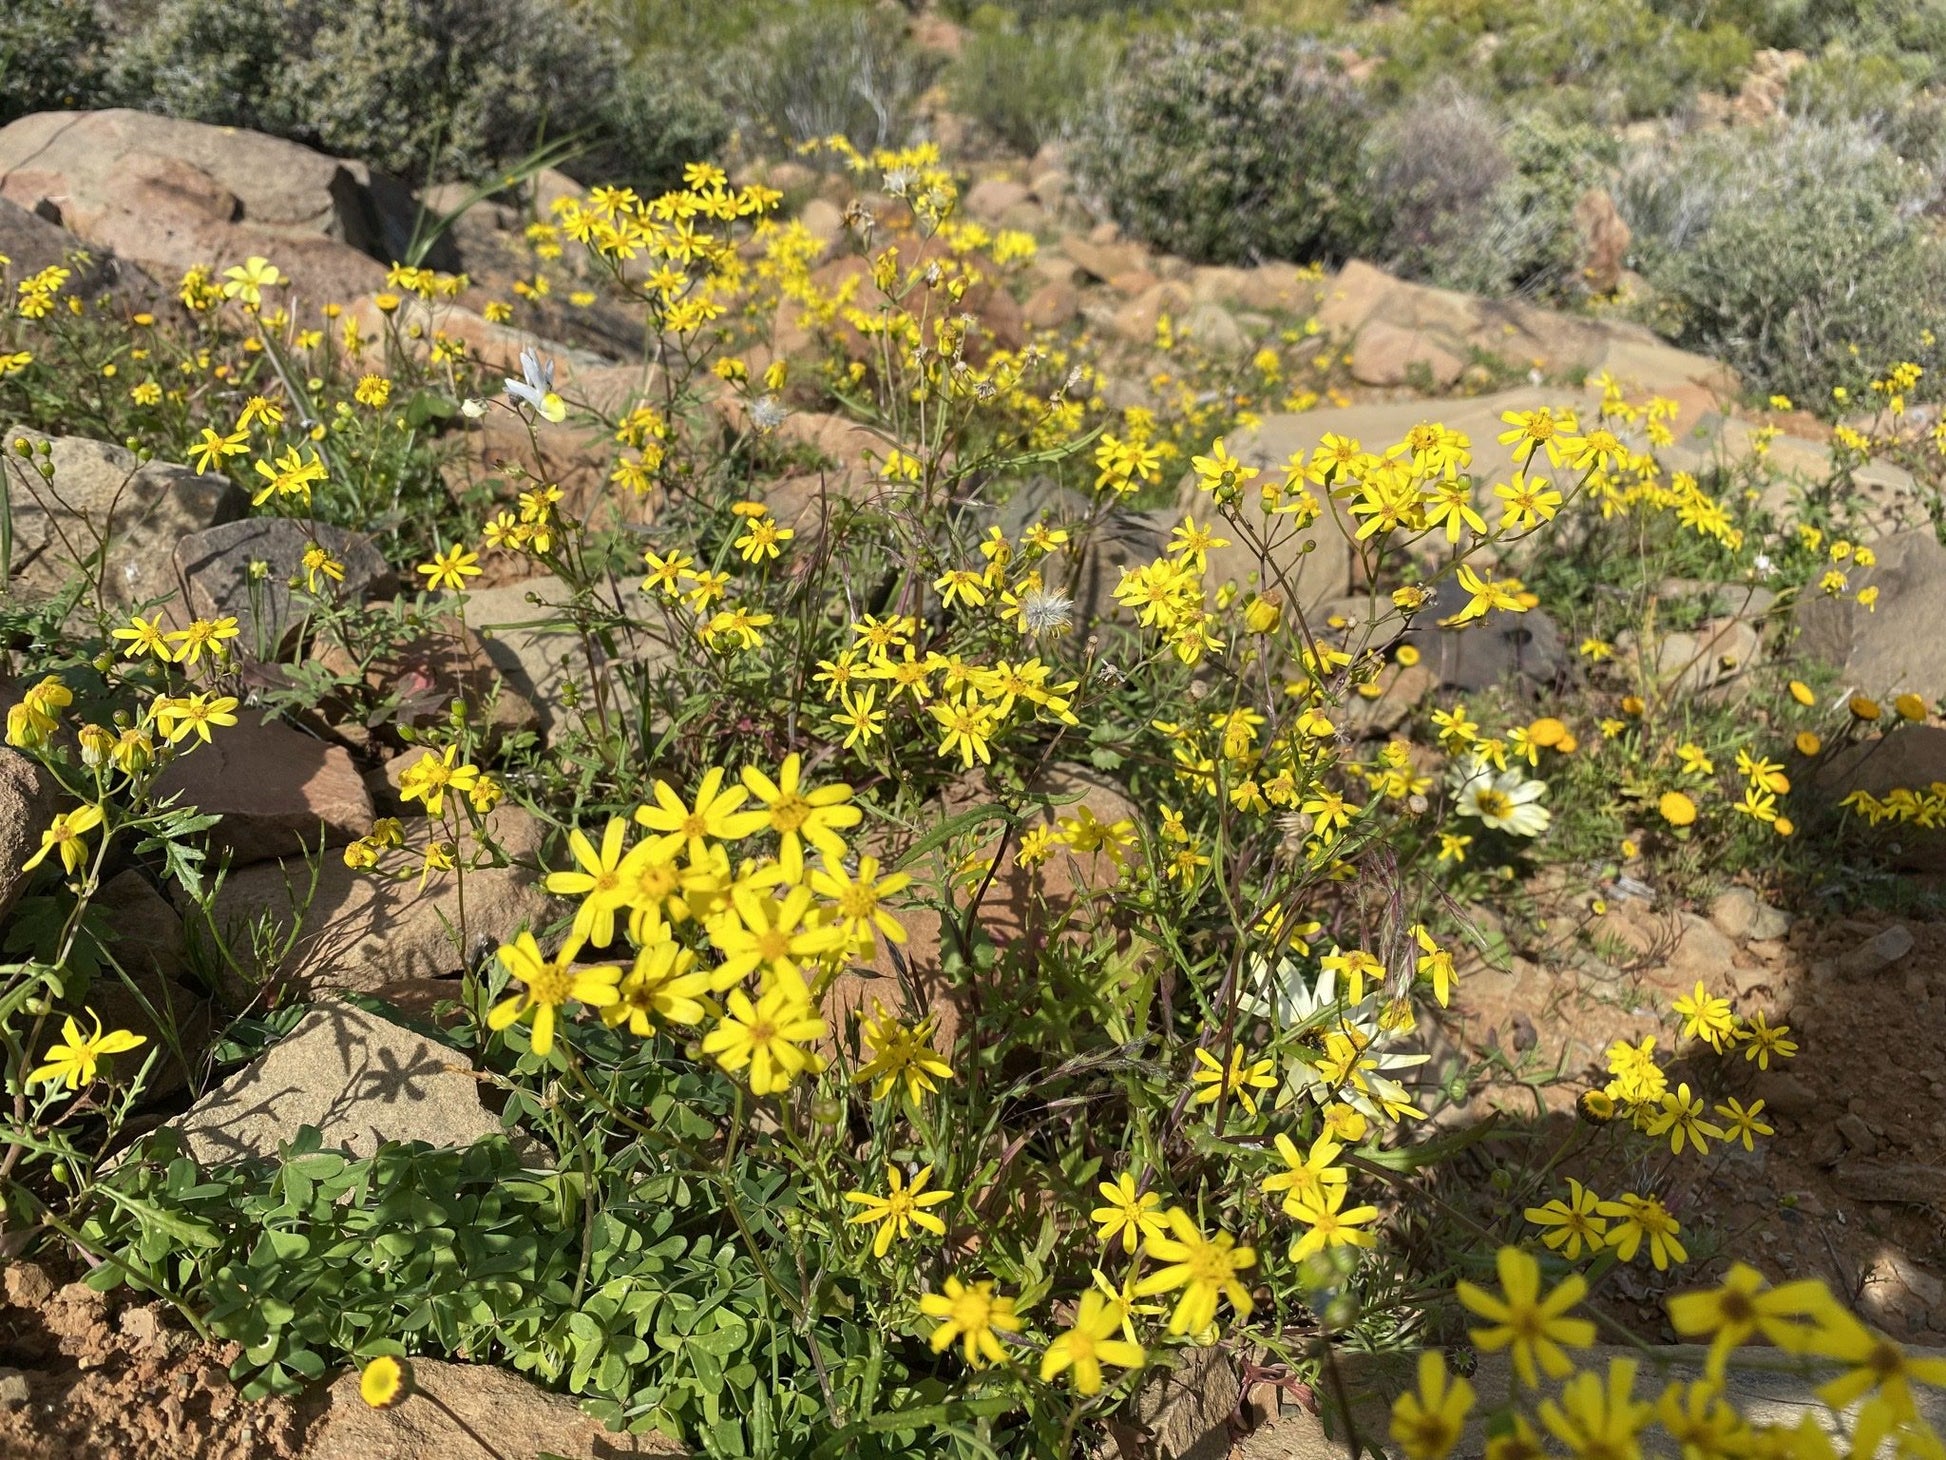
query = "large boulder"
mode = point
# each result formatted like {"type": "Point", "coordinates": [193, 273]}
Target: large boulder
{"type": "Point", "coordinates": [1880, 495]}
{"type": "Point", "coordinates": [335, 928]}
{"type": "Point", "coordinates": [1324, 572]}
{"type": "Point", "coordinates": [34, 244]}
{"type": "Point", "coordinates": [102, 492]}
{"type": "Point", "coordinates": [1883, 650]}
{"type": "Point", "coordinates": [1123, 539]}
{"type": "Point", "coordinates": [169, 194]}
{"type": "Point", "coordinates": [1415, 324]}
{"type": "Point", "coordinates": [280, 792]}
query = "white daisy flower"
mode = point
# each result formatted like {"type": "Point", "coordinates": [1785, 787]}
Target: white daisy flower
{"type": "Point", "coordinates": [1506, 801]}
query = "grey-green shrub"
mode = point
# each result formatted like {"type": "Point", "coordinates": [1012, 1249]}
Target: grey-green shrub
{"type": "Point", "coordinates": [1889, 95]}
{"type": "Point", "coordinates": [48, 50]}
{"type": "Point", "coordinates": [1799, 252]}
{"type": "Point", "coordinates": [1025, 83]}
{"type": "Point", "coordinates": [827, 67]}
{"type": "Point", "coordinates": [1472, 201]}
{"type": "Point", "coordinates": [1436, 164]}
{"type": "Point", "coordinates": [1628, 60]}
{"type": "Point", "coordinates": [1229, 142]}
{"type": "Point", "coordinates": [457, 88]}
{"type": "Point", "coordinates": [216, 61]}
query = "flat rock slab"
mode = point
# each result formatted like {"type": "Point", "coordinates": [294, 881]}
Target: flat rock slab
{"type": "Point", "coordinates": [464, 1412]}
{"type": "Point", "coordinates": [280, 792]}
{"type": "Point", "coordinates": [245, 570]}
{"type": "Point", "coordinates": [362, 930]}
{"type": "Point", "coordinates": [359, 1079]}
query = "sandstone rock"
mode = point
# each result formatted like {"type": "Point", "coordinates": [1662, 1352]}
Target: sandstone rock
{"type": "Point", "coordinates": [1416, 321]}
{"type": "Point", "coordinates": [363, 930]}
{"type": "Point", "coordinates": [280, 792]}
{"type": "Point", "coordinates": [447, 1410]}
{"type": "Point", "coordinates": [168, 194]}
{"type": "Point", "coordinates": [1123, 539]}
{"type": "Point", "coordinates": [1881, 495]}
{"type": "Point", "coordinates": [989, 200]}
{"type": "Point", "coordinates": [583, 377]}
{"type": "Point", "coordinates": [1215, 331]}
{"type": "Point", "coordinates": [1026, 216]}
{"type": "Point", "coordinates": [1858, 1135]}
{"type": "Point", "coordinates": [1355, 295]}
{"type": "Point", "coordinates": [1902, 1183]}
{"type": "Point", "coordinates": [1019, 904]}
{"type": "Point", "coordinates": [361, 1080]}
{"type": "Point", "coordinates": [142, 508]}
{"type": "Point", "coordinates": [1186, 1409]}
{"type": "Point", "coordinates": [1766, 84]}
{"type": "Point", "coordinates": [427, 674]}
{"type": "Point", "coordinates": [1103, 259]}
{"type": "Point", "coordinates": [1703, 955]}
{"type": "Point", "coordinates": [525, 631]}
{"type": "Point", "coordinates": [28, 802]}
{"type": "Point", "coordinates": [934, 32]}
{"type": "Point", "coordinates": [1878, 952]}
{"type": "Point", "coordinates": [823, 219]}
{"type": "Point", "coordinates": [1023, 903]}
{"type": "Point", "coordinates": [1696, 659]}
{"type": "Point", "coordinates": [33, 243]}
{"type": "Point", "coordinates": [1786, 1094]}
{"type": "Point", "coordinates": [1307, 567]}
{"type": "Point", "coordinates": [1899, 1290]}
{"type": "Point", "coordinates": [1051, 306]}
{"type": "Point", "coordinates": [1496, 648]}
{"type": "Point", "coordinates": [1739, 913]}
{"type": "Point", "coordinates": [215, 567]}
{"type": "Point", "coordinates": [147, 943]}
{"type": "Point", "coordinates": [1379, 424]}
{"type": "Point", "coordinates": [1910, 758]}
{"type": "Point", "coordinates": [1751, 602]}
{"type": "Point", "coordinates": [1051, 188]}
{"type": "Point", "coordinates": [1279, 288]}
{"type": "Point", "coordinates": [1876, 650]}
{"type": "Point", "coordinates": [1602, 238]}
{"type": "Point", "coordinates": [564, 454]}
{"type": "Point", "coordinates": [1400, 688]}
{"type": "Point", "coordinates": [1781, 1391]}
{"type": "Point", "coordinates": [1385, 354]}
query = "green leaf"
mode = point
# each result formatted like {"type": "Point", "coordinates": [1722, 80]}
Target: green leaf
{"type": "Point", "coordinates": [951, 827]}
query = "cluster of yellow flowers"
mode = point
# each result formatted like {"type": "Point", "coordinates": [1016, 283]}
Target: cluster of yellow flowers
{"type": "Point", "coordinates": [117, 757]}
{"type": "Point", "coordinates": [1640, 1091]}
{"type": "Point", "coordinates": [775, 918]}
{"type": "Point", "coordinates": [1595, 1415]}
{"type": "Point", "coordinates": [1844, 555]}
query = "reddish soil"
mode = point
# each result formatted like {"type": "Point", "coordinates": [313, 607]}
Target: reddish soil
{"type": "Point", "coordinates": [1851, 1188]}
{"type": "Point", "coordinates": [110, 1381]}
